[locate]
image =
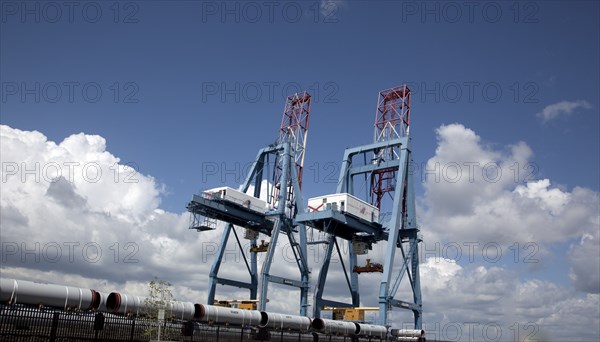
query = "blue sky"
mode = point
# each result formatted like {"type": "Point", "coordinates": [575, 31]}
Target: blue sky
{"type": "Point", "coordinates": [174, 48]}
{"type": "Point", "coordinates": [186, 85]}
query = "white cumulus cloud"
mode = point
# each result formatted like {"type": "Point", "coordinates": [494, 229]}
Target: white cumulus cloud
{"type": "Point", "coordinates": [562, 108]}
{"type": "Point", "coordinates": [112, 235]}
{"type": "Point", "coordinates": [504, 210]}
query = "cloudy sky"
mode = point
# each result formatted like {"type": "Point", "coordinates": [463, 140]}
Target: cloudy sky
{"type": "Point", "coordinates": [115, 113]}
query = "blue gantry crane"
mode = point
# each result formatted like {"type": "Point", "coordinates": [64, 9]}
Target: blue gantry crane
{"type": "Point", "coordinates": [277, 169]}
{"type": "Point", "coordinates": [387, 212]}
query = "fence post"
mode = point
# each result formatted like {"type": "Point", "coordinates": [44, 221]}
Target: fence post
{"type": "Point", "coordinates": [132, 329]}
{"type": "Point", "coordinates": [54, 327]}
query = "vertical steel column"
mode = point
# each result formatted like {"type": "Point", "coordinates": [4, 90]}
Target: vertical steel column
{"type": "Point", "coordinates": [214, 270]}
{"type": "Point", "coordinates": [254, 177]}
{"type": "Point", "coordinates": [396, 223]}
{"type": "Point", "coordinates": [279, 222]}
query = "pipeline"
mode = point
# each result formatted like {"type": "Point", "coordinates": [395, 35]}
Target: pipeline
{"type": "Point", "coordinates": [225, 315]}
{"type": "Point", "coordinates": [284, 322]}
{"type": "Point", "coordinates": [407, 332]}
{"type": "Point", "coordinates": [371, 330]}
{"type": "Point", "coordinates": [15, 291]}
{"type": "Point", "coordinates": [328, 326]}
{"type": "Point", "coordinates": [410, 339]}
{"type": "Point", "coordinates": [102, 303]}
{"type": "Point", "coordinates": [120, 303]}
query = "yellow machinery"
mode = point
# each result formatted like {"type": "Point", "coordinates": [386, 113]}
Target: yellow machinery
{"type": "Point", "coordinates": [263, 247]}
{"type": "Point", "coordinates": [242, 304]}
{"type": "Point", "coordinates": [368, 268]}
{"type": "Point", "coordinates": [349, 314]}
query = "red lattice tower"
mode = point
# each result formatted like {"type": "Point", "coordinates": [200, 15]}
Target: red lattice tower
{"type": "Point", "coordinates": [294, 129]}
{"type": "Point", "coordinates": [392, 121]}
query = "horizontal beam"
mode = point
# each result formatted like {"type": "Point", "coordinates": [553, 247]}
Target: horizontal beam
{"type": "Point", "coordinates": [325, 242]}
{"type": "Point", "coordinates": [234, 283]}
{"type": "Point", "coordinates": [333, 304]}
{"type": "Point", "coordinates": [404, 305]}
{"type": "Point", "coordinates": [231, 213]}
{"type": "Point", "coordinates": [375, 146]}
{"type": "Point", "coordinates": [341, 224]}
{"type": "Point", "coordinates": [374, 167]}
{"type": "Point", "coordinates": [284, 281]}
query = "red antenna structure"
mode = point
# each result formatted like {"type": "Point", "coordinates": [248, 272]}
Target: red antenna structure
{"type": "Point", "coordinates": [294, 129]}
{"type": "Point", "coordinates": [392, 120]}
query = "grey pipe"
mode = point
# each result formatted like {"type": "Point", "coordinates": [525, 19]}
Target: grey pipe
{"type": "Point", "coordinates": [284, 322]}
{"type": "Point", "coordinates": [371, 330]}
{"type": "Point", "coordinates": [332, 327]}
{"type": "Point", "coordinates": [225, 315]}
{"type": "Point", "coordinates": [407, 332]}
{"type": "Point", "coordinates": [408, 339]}
{"type": "Point", "coordinates": [121, 303]}
{"type": "Point", "coordinates": [15, 291]}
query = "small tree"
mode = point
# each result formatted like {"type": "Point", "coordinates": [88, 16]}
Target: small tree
{"type": "Point", "coordinates": [159, 298]}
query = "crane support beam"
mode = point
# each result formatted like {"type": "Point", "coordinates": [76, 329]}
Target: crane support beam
{"type": "Point", "coordinates": [384, 166]}
{"type": "Point", "coordinates": [278, 167]}
{"type": "Point", "coordinates": [234, 283]}
{"type": "Point", "coordinates": [341, 224]}
{"type": "Point", "coordinates": [230, 212]}
{"type": "Point", "coordinates": [402, 304]}
{"type": "Point", "coordinates": [335, 304]}
{"type": "Point", "coordinates": [373, 167]}
{"type": "Point", "coordinates": [285, 281]}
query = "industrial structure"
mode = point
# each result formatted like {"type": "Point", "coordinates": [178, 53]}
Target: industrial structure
{"type": "Point", "coordinates": [278, 167]}
{"type": "Point", "coordinates": [384, 166]}
{"type": "Point", "coordinates": [269, 202]}
{"type": "Point", "coordinates": [384, 212]}
{"type": "Point", "coordinates": [94, 311]}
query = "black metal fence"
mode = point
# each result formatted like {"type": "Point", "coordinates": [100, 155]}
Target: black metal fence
{"type": "Point", "coordinates": [26, 323]}
{"type": "Point", "coordinates": [23, 323]}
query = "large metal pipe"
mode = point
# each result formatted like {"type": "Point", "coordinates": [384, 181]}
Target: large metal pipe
{"type": "Point", "coordinates": [102, 303]}
{"type": "Point", "coordinates": [332, 327]}
{"type": "Point", "coordinates": [121, 303]}
{"type": "Point", "coordinates": [407, 332]}
{"type": "Point", "coordinates": [284, 322]}
{"type": "Point", "coordinates": [225, 315]}
{"type": "Point", "coordinates": [410, 339]}
{"type": "Point", "coordinates": [59, 296]}
{"type": "Point", "coordinates": [185, 310]}
{"type": "Point", "coordinates": [371, 330]}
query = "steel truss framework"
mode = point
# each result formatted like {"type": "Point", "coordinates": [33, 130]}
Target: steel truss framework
{"type": "Point", "coordinates": [386, 164]}
{"type": "Point", "coordinates": [286, 158]}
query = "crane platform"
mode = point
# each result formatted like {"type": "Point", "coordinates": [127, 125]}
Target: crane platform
{"type": "Point", "coordinates": [342, 224]}
{"type": "Point", "coordinates": [227, 211]}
